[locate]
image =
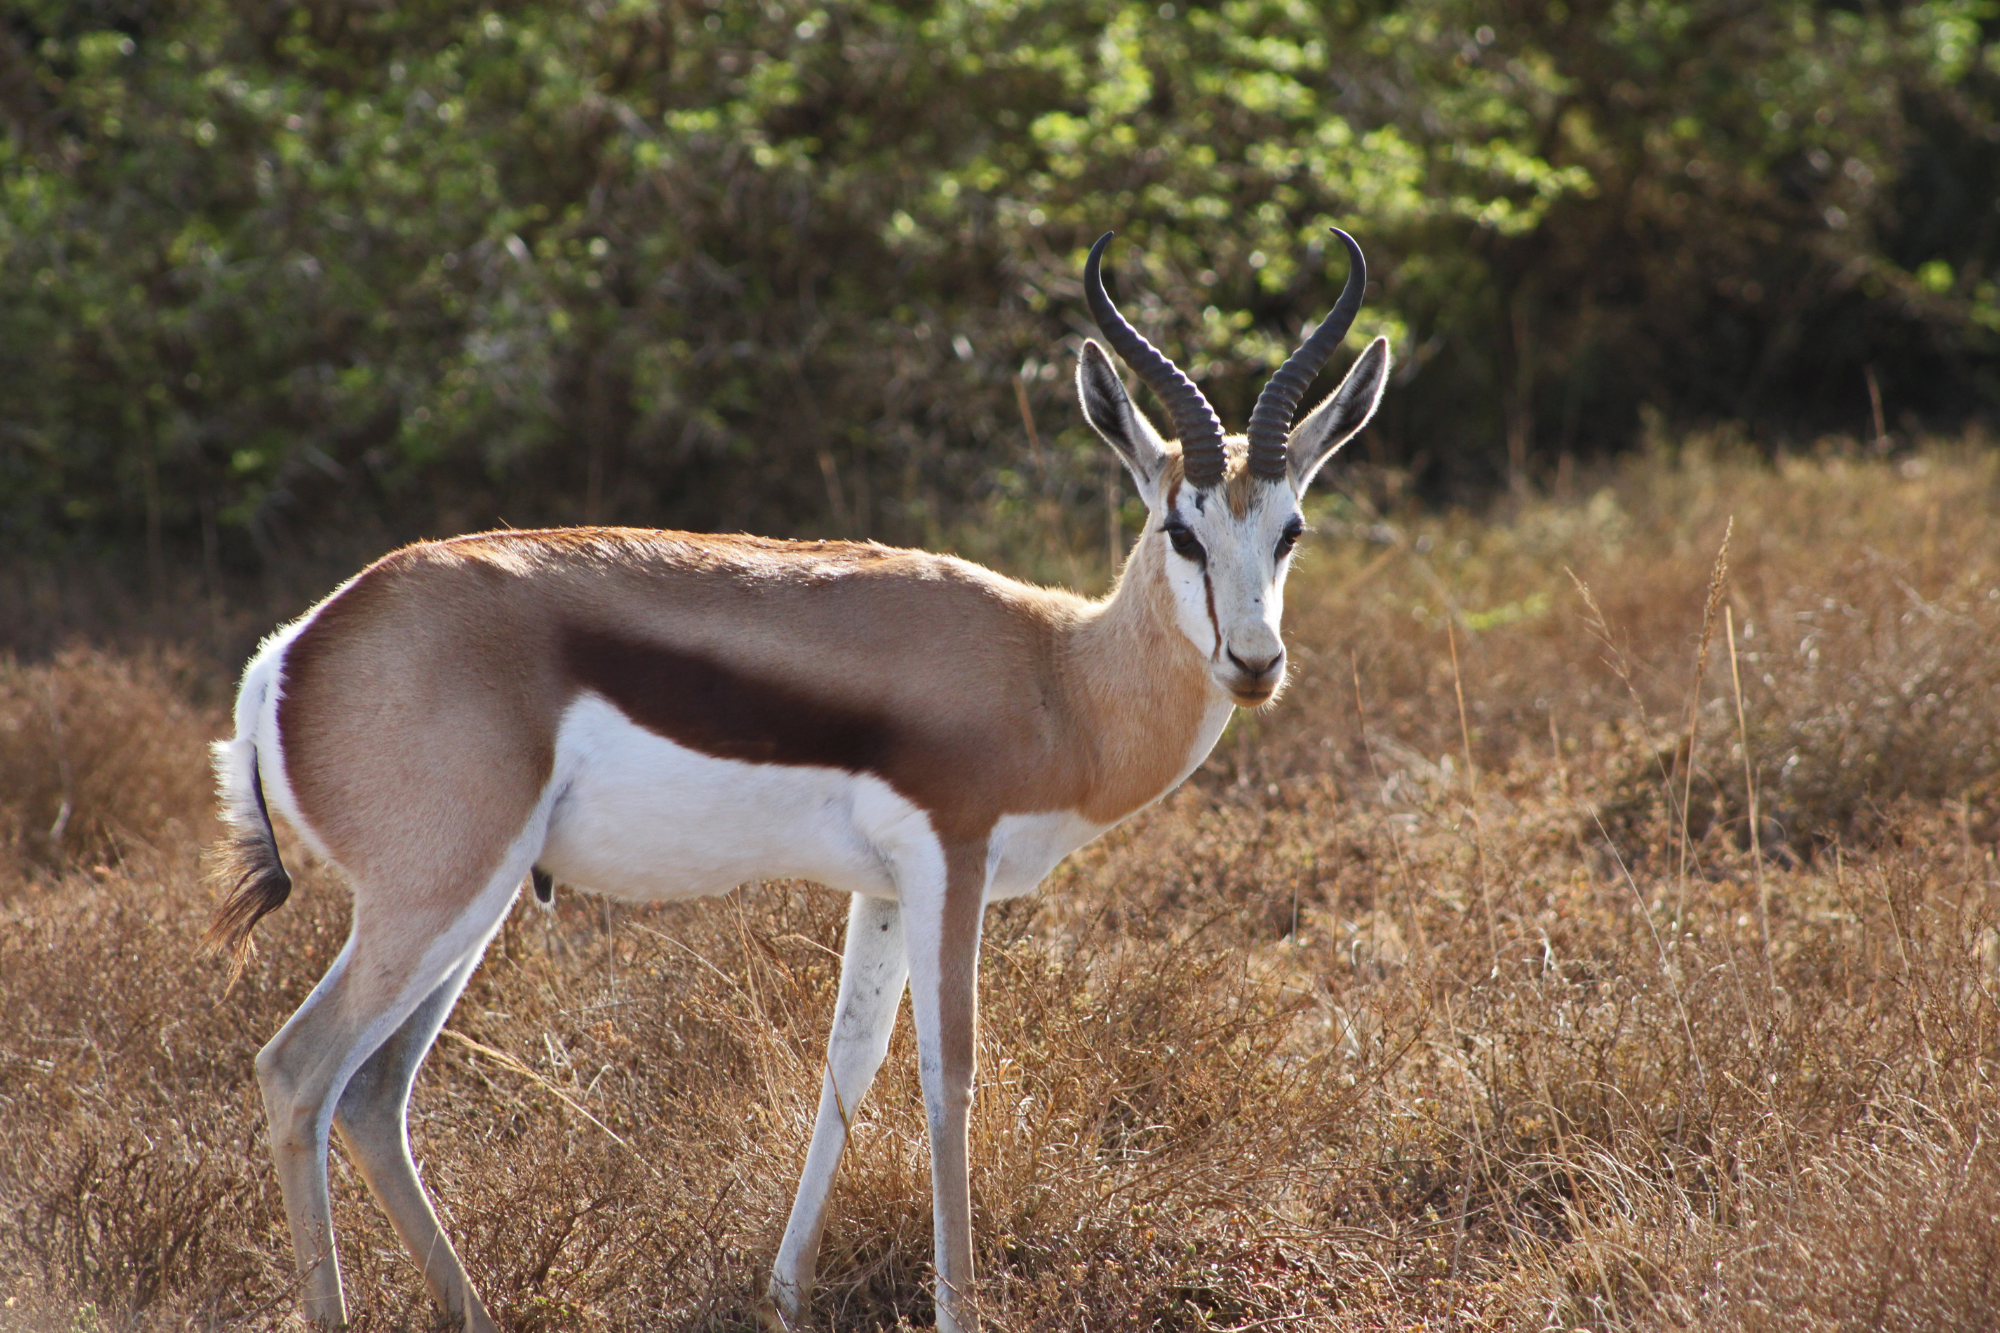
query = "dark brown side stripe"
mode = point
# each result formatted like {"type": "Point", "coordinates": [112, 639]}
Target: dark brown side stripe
{"type": "Point", "coordinates": [718, 710]}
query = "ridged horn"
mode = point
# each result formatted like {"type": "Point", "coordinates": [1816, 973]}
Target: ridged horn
{"type": "Point", "coordinates": [1195, 422]}
{"type": "Point", "coordinates": [1271, 419]}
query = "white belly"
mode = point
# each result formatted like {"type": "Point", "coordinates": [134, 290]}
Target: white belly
{"type": "Point", "coordinates": [641, 818]}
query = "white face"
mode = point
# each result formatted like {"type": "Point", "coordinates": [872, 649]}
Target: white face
{"type": "Point", "coordinates": [1227, 569]}
{"type": "Point", "coordinates": [1227, 572]}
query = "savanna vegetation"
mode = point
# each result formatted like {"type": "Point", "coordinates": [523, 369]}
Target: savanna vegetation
{"type": "Point", "coordinates": [1602, 932]}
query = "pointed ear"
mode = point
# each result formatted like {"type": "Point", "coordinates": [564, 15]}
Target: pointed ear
{"type": "Point", "coordinates": [1109, 410]}
{"type": "Point", "coordinates": [1334, 421]}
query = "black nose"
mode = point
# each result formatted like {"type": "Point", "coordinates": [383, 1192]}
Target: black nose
{"type": "Point", "coordinates": [1264, 668]}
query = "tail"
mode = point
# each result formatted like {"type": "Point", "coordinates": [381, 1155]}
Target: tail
{"type": "Point", "coordinates": [247, 857]}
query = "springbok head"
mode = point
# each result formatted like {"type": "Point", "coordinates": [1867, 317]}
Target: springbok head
{"type": "Point", "coordinates": [1226, 509]}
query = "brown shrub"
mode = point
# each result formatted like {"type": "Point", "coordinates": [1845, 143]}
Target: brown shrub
{"type": "Point", "coordinates": [100, 757]}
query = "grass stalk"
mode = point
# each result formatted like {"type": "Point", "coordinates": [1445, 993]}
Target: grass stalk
{"type": "Point", "coordinates": [1750, 796]}
{"type": "Point", "coordinates": [1717, 580]}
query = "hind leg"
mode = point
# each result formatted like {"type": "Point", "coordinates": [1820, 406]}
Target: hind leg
{"type": "Point", "coordinates": [372, 1117]}
{"type": "Point", "coordinates": [387, 970]}
{"type": "Point", "coordinates": [287, 1073]}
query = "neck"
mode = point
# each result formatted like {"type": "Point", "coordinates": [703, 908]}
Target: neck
{"type": "Point", "coordinates": [1144, 699]}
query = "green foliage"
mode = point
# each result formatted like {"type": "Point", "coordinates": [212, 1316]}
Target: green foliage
{"type": "Point", "coordinates": [273, 275]}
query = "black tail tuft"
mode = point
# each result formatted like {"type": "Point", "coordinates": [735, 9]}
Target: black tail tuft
{"type": "Point", "coordinates": [248, 860]}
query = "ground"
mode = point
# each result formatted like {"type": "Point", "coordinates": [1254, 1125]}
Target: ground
{"type": "Point", "coordinates": [1601, 932]}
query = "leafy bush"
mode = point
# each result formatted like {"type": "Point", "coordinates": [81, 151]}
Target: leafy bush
{"type": "Point", "coordinates": [274, 277]}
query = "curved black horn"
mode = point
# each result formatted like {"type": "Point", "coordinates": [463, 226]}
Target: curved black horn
{"type": "Point", "coordinates": [1271, 419]}
{"type": "Point", "coordinates": [1194, 421]}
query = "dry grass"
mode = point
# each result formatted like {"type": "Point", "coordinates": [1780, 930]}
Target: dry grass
{"type": "Point", "coordinates": [1344, 1036]}
{"type": "Point", "coordinates": [94, 768]}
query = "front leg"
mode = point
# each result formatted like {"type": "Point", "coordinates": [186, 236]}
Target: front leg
{"type": "Point", "coordinates": [872, 972]}
{"type": "Point", "coordinates": [943, 922]}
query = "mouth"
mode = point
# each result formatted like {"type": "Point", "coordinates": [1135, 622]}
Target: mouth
{"type": "Point", "coordinates": [1252, 691]}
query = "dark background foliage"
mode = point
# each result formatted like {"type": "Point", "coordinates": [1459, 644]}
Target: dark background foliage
{"type": "Point", "coordinates": [317, 277]}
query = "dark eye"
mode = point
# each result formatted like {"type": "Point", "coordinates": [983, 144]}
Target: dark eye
{"type": "Point", "coordinates": [1185, 543]}
{"type": "Point", "coordinates": [1289, 537]}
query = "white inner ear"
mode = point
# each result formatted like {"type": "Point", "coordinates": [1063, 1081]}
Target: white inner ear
{"type": "Point", "coordinates": [1335, 421]}
{"type": "Point", "coordinates": [1117, 419]}
{"type": "Point", "coordinates": [1147, 477]}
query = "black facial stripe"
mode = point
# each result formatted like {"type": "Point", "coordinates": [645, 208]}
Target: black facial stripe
{"type": "Point", "coordinates": [1208, 591]}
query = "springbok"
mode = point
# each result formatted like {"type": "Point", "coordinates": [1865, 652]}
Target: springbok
{"type": "Point", "coordinates": [658, 715]}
